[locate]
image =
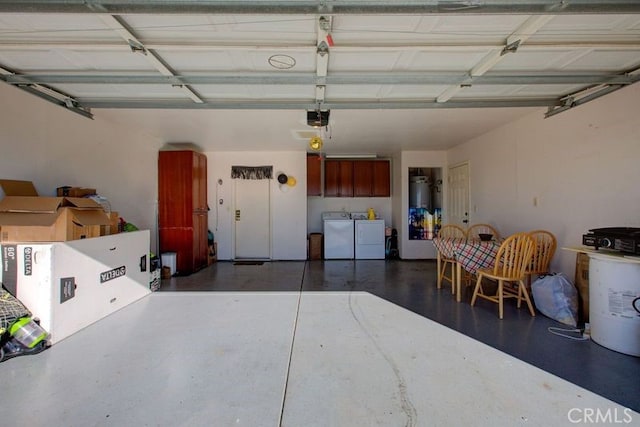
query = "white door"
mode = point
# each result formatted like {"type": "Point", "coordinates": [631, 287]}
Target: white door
{"type": "Point", "coordinates": [459, 195]}
{"type": "Point", "coordinates": [252, 219]}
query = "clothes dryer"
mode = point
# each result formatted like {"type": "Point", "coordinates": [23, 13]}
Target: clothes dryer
{"type": "Point", "coordinates": [369, 239]}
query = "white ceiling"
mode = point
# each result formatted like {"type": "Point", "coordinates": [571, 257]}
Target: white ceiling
{"type": "Point", "coordinates": [392, 77]}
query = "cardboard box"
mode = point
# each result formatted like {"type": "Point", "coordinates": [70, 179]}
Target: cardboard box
{"type": "Point", "coordinates": [70, 285]}
{"type": "Point", "coordinates": [75, 191]}
{"type": "Point", "coordinates": [582, 285]}
{"type": "Point", "coordinates": [49, 219]}
{"type": "Point", "coordinates": [112, 228]}
{"type": "Point", "coordinates": [18, 188]}
{"type": "Point", "coordinates": [315, 246]}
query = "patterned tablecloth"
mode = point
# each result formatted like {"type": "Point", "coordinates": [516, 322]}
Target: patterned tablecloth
{"type": "Point", "coordinates": [475, 254]}
{"type": "Point", "coordinates": [446, 247]}
{"type": "Point", "coordinates": [470, 255]}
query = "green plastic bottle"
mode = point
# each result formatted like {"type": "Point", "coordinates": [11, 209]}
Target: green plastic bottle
{"type": "Point", "coordinates": [27, 332]}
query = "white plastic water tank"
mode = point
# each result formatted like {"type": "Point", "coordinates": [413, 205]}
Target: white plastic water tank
{"type": "Point", "coordinates": [614, 303]}
{"type": "Point", "coordinates": [419, 192]}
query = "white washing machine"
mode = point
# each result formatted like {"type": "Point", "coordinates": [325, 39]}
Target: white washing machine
{"type": "Point", "coordinates": [369, 239]}
{"type": "Point", "coordinates": [338, 235]}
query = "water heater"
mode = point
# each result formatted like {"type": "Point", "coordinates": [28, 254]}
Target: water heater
{"type": "Point", "coordinates": [420, 192]}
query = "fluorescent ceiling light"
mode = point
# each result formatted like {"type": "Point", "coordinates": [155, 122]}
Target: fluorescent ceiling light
{"type": "Point", "coordinates": [351, 156]}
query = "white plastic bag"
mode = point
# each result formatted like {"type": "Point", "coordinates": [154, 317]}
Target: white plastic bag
{"type": "Point", "coordinates": [556, 297]}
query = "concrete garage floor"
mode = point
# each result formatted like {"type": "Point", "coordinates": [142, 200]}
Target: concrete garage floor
{"type": "Point", "coordinates": [267, 345]}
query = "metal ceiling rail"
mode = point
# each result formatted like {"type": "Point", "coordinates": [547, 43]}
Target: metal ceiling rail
{"type": "Point", "coordinates": [334, 7]}
{"type": "Point", "coordinates": [49, 94]}
{"type": "Point", "coordinates": [122, 29]}
{"type": "Point", "coordinates": [520, 35]}
{"type": "Point", "coordinates": [55, 98]}
{"type": "Point", "coordinates": [311, 105]}
{"type": "Point", "coordinates": [254, 45]}
{"type": "Point", "coordinates": [575, 100]}
{"type": "Point", "coordinates": [395, 78]}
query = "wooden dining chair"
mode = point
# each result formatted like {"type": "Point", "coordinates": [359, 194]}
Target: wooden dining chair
{"type": "Point", "coordinates": [448, 231]}
{"type": "Point", "coordinates": [546, 244]}
{"type": "Point", "coordinates": [473, 233]}
{"type": "Point", "coordinates": [512, 260]}
{"type": "Point", "coordinates": [475, 230]}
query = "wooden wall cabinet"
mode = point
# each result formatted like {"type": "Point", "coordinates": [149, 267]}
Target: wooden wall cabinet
{"type": "Point", "coordinates": [371, 178]}
{"type": "Point", "coordinates": [338, 178]}
{"type": "Point", "coordinates": [381, 179]}
{"type": "Point", "coordinates": [183, 209]}
{"type": "Point", "coordinates": [314, 175]}
{"type": "Point", "coordinates": [357, 178]}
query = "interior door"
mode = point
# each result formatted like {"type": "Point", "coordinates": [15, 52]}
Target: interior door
{"type": "Point", "coordinates": [459, 195]}
{"type": "Point", "coordinates": [252, 219]}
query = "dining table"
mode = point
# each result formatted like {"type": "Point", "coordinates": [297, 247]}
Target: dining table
{"type": "Point", "coordinates": [470, 255]}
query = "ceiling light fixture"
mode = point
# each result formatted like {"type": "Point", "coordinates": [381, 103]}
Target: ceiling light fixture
{"type": "Point", "coordinates": [316, 143]}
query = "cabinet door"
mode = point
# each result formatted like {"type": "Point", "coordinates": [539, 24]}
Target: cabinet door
{"type": "Point", "coordinates": [381, 184]}
{"type": "Point", "coordinates": [314, 168]}
{"type": "Point", "coordinates": [338, 178]}
{"type": "Point", "coordinates": [362, 178]}
{"type": "Point", "coordinates": [199, 182]}
{"type": "Point", "coordinates": [200, 241]}
{"type": "Point", "coordinates": [346, 178]}
{"type": "Point", "coordinates": [331, 178]}
{"type": "Point", "coordinates": [175, 181]}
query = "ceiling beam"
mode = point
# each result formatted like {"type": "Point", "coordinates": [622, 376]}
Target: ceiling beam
{"type": "Point", "coordinates": [118, 25]}
{"type": "Point", "coordinates": [395, 78]}
{"type": "Point", "coordinates": [253, 46]}
{"type": "Point", "coordinates": [311, 105]}
{"type": "Point", "coordinates": [512, 42]}
{"type": "Point", "coordinates": [323, 37]}
{"type": "Point", "coordinates": [49, 94]}
{"type": "Point", "coordinates": [343, 7]}
{"type": "Point", "coordinates": [574, 100]}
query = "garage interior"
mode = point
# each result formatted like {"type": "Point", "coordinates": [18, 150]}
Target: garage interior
{"type": "Point", "coordinates": [537, 97]}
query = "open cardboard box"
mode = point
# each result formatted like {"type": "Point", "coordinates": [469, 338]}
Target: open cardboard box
{"type": "Point", "coordinates": [26, 217]}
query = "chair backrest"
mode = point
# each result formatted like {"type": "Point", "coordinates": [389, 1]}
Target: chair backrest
{"type": "Point", "coordinates": [546, 244]}
{"type": "Point", "coordinates": [514, 256]}
{"type": "Point", "coordinates": [475, 230]}
{"type": "Point", "coordinates": [449, 231]}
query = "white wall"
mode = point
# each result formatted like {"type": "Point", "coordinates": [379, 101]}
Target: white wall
{"type": "Point", "coordinates": [52, 147]}
{"type": "Point", "coordinates": [581, 167]}
{"type": "Point", "coordinates": [288, 209]}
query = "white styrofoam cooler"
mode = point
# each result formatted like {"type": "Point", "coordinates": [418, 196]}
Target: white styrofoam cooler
{"type": "Point", "coordinates": [70, 285]}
